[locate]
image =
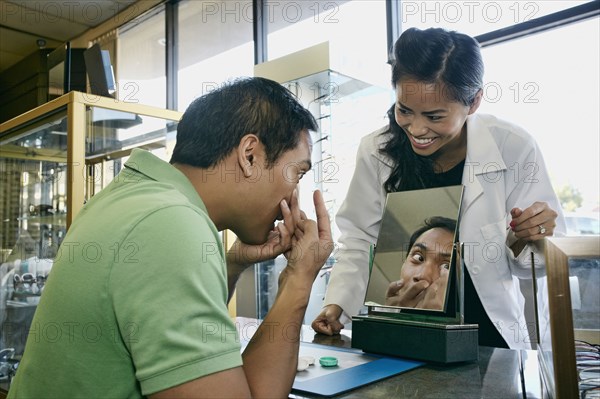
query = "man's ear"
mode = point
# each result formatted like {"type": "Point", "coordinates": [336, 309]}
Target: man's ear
{"type": "Point", "coordinates": [246, 153]}
{"type": "Point", "coordinates": [476, 102]}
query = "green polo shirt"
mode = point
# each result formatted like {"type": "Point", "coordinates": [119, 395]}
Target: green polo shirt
{"type": "Point", "coordinates": [136, 300]}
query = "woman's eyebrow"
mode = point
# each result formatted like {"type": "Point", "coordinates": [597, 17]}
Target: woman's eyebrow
{"type": "Point", "coordinates": [435, 111]}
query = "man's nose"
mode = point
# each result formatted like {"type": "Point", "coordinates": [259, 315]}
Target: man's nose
{"type": "Point", "coordinates": [429, 272]}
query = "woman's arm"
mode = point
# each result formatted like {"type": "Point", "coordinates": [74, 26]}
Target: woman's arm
{"type": "Point", "coordinates": [535, 211]}
{"type": "Point", "coordinates": [358, 219]}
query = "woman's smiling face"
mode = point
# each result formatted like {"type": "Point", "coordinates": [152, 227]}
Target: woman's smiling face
{"type": "Point", "coordinates": [433, 123]}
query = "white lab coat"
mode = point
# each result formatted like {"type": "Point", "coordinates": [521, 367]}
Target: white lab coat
{"type": "Point", "coordinates": [503, 169]}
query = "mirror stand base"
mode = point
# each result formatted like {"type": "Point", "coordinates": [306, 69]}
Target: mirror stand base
{"type": "Point", "coordinates": [420, 341]}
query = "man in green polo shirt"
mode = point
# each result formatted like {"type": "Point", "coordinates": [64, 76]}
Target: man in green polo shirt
{"type": "Point", "coordinates": [136, 302]}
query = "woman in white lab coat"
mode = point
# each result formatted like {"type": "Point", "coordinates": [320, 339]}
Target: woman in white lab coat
{"type": "Point", "coordinates": [434, 139]}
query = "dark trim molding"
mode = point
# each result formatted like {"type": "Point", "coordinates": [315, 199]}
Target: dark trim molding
{"type": "Point", "coordinates": [393, 25]}
{"type": "Point", "coordinates": [259, 31]}
{"type": "Point", "coordinates": [171, 55]}
{"type": "Point", "coordinates": [551, 21]}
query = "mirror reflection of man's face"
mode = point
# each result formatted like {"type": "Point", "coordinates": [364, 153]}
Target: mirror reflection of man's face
{"type": "Point", "coordinates": [428, 257]}
{"type": "Point", "coordinates": [424, 274]}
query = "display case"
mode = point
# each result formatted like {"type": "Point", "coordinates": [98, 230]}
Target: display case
{"type": "Point", "coordinates": [568, 317]}
{"type": "Point", "coordinates": [52, 159]}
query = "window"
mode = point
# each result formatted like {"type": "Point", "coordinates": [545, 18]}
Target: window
{"type": "Point", "coordinates": [549, 84]}
{"type": "Point", "coordinates": [476, 17]}
{"type": "Point", "coordinates": [215, 45]}
{"type": "Point", "coordinates": [141, 60]}
{"type": "Point", "coordinates": [358, 27]}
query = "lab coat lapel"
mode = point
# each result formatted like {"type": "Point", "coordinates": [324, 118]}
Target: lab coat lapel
{"type": "Point", "coordinates": [483, 158]}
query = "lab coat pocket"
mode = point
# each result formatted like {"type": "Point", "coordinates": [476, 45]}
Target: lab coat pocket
{"type": "Point", "coordinates": [494, 250]}
{"type": "Point", "coordinates": [495, 231]}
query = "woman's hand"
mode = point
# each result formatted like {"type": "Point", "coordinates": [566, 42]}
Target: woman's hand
{"type": "Point", "coordinates": [328, 321]}
{"type": "Point", "coordinates": [533, 223]}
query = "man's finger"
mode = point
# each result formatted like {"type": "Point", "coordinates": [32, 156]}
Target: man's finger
{"type": "Point", "coordinates": [288, 219]}
{"type": "Point", "coordinates": [414, 290]}
{"type": "Point", "coordinates": [295, 207]}
{"type": "Point", "coordinates": [323, 221]}
{"type": "Point", "coordinates": [285, 237]}
{"type": "Point", "coordinates": [393, 288]}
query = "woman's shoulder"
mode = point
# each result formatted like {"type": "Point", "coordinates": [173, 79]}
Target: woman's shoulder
{"type": "Point", "coordinates": [375, 140]}
{"type": "Point", "coordinates": [496, 124]}
{"type": "Point", "coordinates": [501, 130]}
{"type": "Point", "coordinates": [372, 144]}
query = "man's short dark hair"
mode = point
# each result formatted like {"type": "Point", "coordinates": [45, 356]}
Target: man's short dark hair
{"type": "Point", "coordinates": [432, 223]}
{"type": "Point", "coordinates": [214, 124]}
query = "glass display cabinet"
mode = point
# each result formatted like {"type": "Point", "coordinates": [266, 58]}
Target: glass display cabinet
{"type": "Point", "coordinates": [568, 317]}
{"type": "Point", "coordinates": [52, 159]}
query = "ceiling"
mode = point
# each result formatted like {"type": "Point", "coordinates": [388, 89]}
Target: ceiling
{"type": "Point", "coordinates": [28, 25]}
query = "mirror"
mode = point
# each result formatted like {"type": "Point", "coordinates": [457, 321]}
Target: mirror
{"type": "Point", "coordinates": [412, 259]}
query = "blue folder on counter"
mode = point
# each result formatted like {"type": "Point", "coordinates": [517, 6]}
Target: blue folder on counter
{"type": "Point", "coordinates": [355, 369]}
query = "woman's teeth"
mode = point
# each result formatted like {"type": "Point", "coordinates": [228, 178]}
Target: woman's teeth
{"type": "Point", "coordinates": [423, 141]}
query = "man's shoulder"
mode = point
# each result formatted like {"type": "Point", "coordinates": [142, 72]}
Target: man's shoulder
{"type": "Point", "coordinates": [126, 207]}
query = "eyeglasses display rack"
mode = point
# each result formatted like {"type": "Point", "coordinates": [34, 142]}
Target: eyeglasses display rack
{"type": "Point", "coordinates": [53, 158]}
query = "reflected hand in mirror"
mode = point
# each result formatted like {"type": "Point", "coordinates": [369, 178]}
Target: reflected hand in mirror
{"type": "Point", "coordinates": [418, 294]}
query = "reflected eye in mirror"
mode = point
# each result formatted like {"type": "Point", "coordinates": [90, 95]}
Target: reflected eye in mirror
{"type": "Point", "coordinates": [417, 257]}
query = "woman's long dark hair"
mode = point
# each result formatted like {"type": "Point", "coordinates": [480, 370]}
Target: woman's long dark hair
{"type": "Point", "coordinates": [432, 55]}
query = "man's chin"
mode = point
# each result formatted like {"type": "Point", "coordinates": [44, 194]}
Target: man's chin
{"type": "Point", "coordinates": [254, 239]}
